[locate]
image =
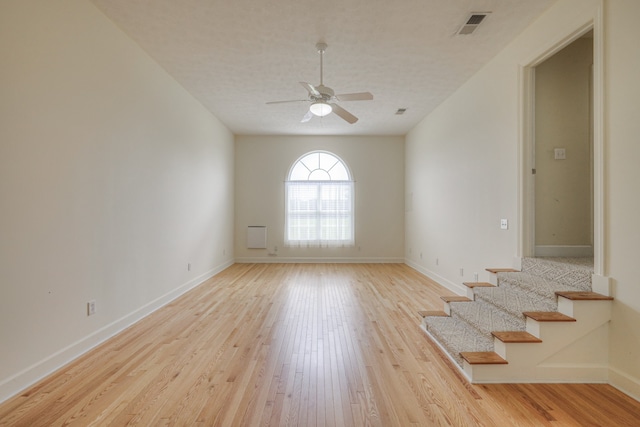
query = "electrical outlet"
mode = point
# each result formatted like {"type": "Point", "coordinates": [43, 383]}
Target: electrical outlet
{"type": "Point", "coordinates": [462, 272]}
{"type": "Point", "coordinates": [504, 224]}
{"type": "Point", "coordinates": [189, 267]}
{"type": "Point", "coordinates": [91, 308]}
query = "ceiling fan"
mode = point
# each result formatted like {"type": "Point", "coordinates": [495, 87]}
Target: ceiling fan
{"type": "Point", "coordinates": [323, 98]}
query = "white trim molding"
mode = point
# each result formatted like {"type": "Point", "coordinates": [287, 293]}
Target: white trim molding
{"type": "Point", "coordinates": [564, 251]}
{"type": "Point", "coordinates": [624, 382]}
{"type": "Point", "coordinates": [318, 260]}
{"type": "Point", "coordinates": [454, 287]}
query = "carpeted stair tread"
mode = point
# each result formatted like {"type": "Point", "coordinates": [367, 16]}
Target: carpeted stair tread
{"type": "Point", "coordinates": [486, 318]}
{"type": "Point", "coordinates": [536, 285]}
{"type": "Point", "coordinates": [514, 300]}
{"type": "Point", "coordinates": [573, 272]}
{"type": "Point", "coordinates": [457, 336]}
{"type": "Point", "coordinates": [530, 292]}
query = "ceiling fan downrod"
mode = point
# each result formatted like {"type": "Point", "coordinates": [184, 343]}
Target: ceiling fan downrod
{"type": "Point", "coordinates": [321, 48]}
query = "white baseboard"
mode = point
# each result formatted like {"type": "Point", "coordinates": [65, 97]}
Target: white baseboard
{"type": "Point", "coordinates": [563, 251]}
{"type": "Point", "coordinates": [626, 383]}
{"type": "Point", "coordinates": [572, 373]}
{"type": "Point", "coordinates": [20, 381]}
{"type": "Point", "coordinates": [458, 289]}
{"type": "Point", "coordinates": [560, 375]}
{"type": "Point", "coordinates": [318, 260]}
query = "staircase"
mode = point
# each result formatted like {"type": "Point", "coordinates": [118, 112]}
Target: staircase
{"type": "Point", "coordinates": [541, 324]}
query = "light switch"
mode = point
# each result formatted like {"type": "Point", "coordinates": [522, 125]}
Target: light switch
{"type": "Point", "coordinates": [559, 154]}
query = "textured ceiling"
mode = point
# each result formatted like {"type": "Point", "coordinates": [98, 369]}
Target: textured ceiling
{"type": "Point", "coordinates": [235, 55]}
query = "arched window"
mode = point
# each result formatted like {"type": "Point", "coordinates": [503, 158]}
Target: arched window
{"type": "Point", "coordinates": [319, 196]}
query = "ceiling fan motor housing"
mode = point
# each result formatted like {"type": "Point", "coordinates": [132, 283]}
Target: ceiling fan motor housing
{"type": "Point", "coordinates": [326, 92]}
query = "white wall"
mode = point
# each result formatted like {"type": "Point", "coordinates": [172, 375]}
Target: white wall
{"type": "Point", "coordinates": [377, 165]}
{"type": "Point", "coordinates": [622, 228]}
{"type": "Point", "coordinates": [462, 169]}
{"type": "Point", "coordinates": [112, 180]}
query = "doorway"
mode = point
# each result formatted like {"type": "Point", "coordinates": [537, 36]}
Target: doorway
{"type": "Point", "coordinates": [551, 191]}
{"type": "Point", "coordinates": [563, 152]}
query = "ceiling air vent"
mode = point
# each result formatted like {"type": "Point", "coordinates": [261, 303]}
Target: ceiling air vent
{"type": "Point", "coordinates": [401, 111]}
{"type": "Point", "coordinates": [474, 20]}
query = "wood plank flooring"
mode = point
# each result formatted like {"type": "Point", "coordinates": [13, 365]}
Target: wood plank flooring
{"type": "Point", "coordinates": [299, 345]}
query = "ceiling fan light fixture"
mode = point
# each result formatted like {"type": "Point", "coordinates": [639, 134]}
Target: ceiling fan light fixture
{"type": "Point", "coordinates": [320, 108]}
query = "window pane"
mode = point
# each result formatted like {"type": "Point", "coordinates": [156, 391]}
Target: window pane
{"type": "Point", "coordinates": [319, 175]}
{"type": "Point", "coordinates": [319, 202]}
{"type": "Point", "coordinates": [299, 172]}
{"type": "Point", "coordinates": [311, 161]}
{"type": "Point", "coordinates": [339, 173]}
{"type": "Point", "coordinates": [327, 161]}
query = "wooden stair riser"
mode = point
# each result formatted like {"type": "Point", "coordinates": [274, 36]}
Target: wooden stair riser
{"type": "Point", "coordinates": [493, 279]}
{"type": "Point", "coordinates": [523, 373]}
{"type": "Point", "coordinates": [578, 343]}
{"type": "Point", "coordinates": [493, 274]}
{"type": "Point", "coordinates": [583, 309]}
{"type": "Point", "coordinates": [496, 373]}
{"type": "Point", "coordinates": [588, 314]}
{"type": "Point", "coordinates": [501, 346]}
{"type": "Point", "coordinates": [522, 353]}
{"type": "Point", "coordinates": [584, 349]}
{"type": "Point", "coordinates": [557, 335]}
{"type": "Point", "coordinates": [447, 307]}
{"type": "Point", "coordinates": [470, 286]}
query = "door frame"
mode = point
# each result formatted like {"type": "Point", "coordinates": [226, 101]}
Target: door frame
{"type": "Point", "coordinates": [526, 148]}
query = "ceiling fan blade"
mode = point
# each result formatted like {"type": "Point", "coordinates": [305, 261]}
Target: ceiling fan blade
{"type": "Point", "coordinates": [310, 88]}
{"type": "Point", "coordinates": [284, 102]}
{"type": "Point", "coordinates": [307, 117]}
{"type": "Point", "coordinates": [344, 114]}
{"type": "Point", "coordinates": [361, 96]}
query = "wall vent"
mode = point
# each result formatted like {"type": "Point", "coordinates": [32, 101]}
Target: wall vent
{"type": "Point", "coordinates": [472, 23]}
{"type": "Point", "coordinates": [401, 111]}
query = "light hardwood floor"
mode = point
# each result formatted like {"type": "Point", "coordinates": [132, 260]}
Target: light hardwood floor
{"type": "Point", "coordinates": [297, 344]}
